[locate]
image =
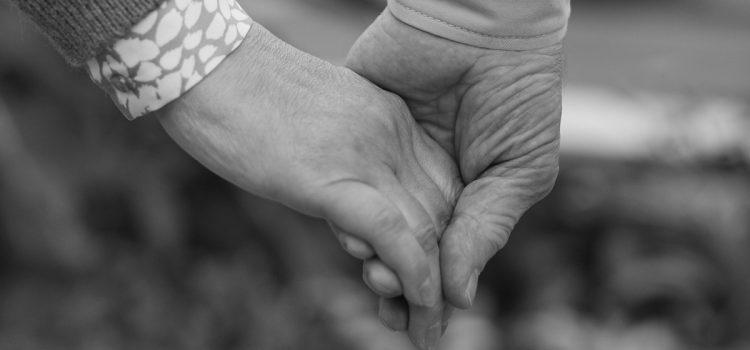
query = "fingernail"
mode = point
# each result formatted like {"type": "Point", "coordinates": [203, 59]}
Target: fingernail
{"type": "Point", "coordinates": [433, 336]}
{"type": "Point", "coordinates": [471, 287]}
{"type": "Point", "coordinates": [386, 325]}
{"type": "Point", "coordinates": [447, 313]}
{"type": "Point", "coordinates": [428, 293]}
{"type": "Point", "coordinates": [383, 320]}
{"type": "Point", "coordinates": [442, 331]}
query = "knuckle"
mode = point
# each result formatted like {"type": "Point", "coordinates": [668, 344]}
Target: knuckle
{"type": "Point", "coordinates": [388, 112]}
{"type": "Point", "coordinates": [427, 238]}
{"type": "Point", "coordinates": [390, 222]}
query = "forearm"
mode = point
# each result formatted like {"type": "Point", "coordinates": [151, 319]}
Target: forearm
{"type": "Point", "coordinates": [493, 24]}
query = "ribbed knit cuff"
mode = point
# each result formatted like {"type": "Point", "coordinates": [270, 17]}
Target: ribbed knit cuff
{"type": "Point", "coordinates": [80, 29]}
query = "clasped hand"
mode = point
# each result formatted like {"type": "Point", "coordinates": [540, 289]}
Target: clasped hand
{"type": "Point", "coordinates": [422, 161]}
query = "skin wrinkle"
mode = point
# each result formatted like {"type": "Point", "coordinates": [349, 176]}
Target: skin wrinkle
{"type": "Point", "coordinates": [441, 134]}
{"type": "Point", "coordinates": [434, 113]}
{"type": "Point", "coordinates": [466, 95]}
{"type": "Point", "coordinates": [546, 137]}
{"type": "Point", "coordinates": [456, 121]}
{"type": "Point", "coordinates": [516, 64]}
{"type": "Point", "coordinates": [545, 171]}
{"type": "Point", "coordinates": [502, 223]}
{"type": "Point", "coordinates": [515, 123]}
{"type": "Point", "coordinates": [511, 171]}
{"type": "Point", "coordinates": [541, 180]}
{"type": "Point", "coordinates": [459, 89]}
{"type": "Point", "coordinates": [544, 182]}
{"type": "Point", "coordinates": [493, 240]}
{"type": "Point", "coordinates": [519, 86]}
{"type": "Point", "coordinates": [497, 194]}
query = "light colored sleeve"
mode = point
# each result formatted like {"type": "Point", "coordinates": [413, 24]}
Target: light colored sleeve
{"type": "Point", "coordinates": [168, 52]}
{"type": "Point", "coordinates": [493, 24]}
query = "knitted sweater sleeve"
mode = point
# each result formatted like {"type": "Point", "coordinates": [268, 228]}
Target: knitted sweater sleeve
{"type": "Point", "coordinates": [80, 29]}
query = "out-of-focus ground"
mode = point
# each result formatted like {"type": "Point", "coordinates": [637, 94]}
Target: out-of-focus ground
{"type": "Point", "coordinates": [113, 238]}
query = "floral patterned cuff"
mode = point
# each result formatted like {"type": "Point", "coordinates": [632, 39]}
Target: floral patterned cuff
{"type": "Point", "coordinates": [168, 52]}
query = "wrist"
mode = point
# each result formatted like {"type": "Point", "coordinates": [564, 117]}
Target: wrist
{"type": "Point", "coordinates": [255, 91]}
{"type": "Point", "coordinates": [262, 72]}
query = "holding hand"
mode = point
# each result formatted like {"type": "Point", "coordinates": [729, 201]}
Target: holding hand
{"type": "Point", "coordinates": [322, 140]}
{"type": "Point", "coordinates": [497, 113]}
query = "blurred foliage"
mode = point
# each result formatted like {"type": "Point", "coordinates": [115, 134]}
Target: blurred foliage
{"type": "Point", "coordinates": [113, 238]}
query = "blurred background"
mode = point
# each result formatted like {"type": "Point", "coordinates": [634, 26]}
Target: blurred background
{"type": "Point", "coordinates": [112, 238]}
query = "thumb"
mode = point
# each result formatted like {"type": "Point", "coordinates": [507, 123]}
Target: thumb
{"type": "Point", "coordinates": [485, 214]}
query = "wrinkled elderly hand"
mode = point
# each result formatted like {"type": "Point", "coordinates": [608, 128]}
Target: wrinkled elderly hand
{"type": "Point", "coordinates": [497, 113]}
{"type": "Point", "coordinates": [322, 140]}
